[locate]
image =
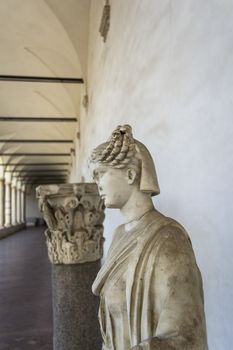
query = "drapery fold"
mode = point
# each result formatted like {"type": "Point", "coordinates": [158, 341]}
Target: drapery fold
{"type": "Point", "coordinates": [159, 265]}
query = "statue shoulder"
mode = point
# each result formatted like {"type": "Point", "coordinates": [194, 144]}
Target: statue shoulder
{"type": "Point", "coordinates": [164, 236]}
{"type": "Point", "coordinates": [175, 244]}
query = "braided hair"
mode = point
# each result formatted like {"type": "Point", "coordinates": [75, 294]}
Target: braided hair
{"type": "Point", "coordinates": [119, 152]}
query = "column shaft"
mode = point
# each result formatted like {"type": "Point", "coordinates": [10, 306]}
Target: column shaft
{"type": "Point", "coordinates": [1, 202]}
{"type": "Point", "coordinates": [75, 308]}
{"type": "Point", "coordinates": [22, 206]}
{"type": "Point", "coordinates": [7, 204]}
{"type": "Point", "coordinates": [13, 205]}
{"type": "Point", "coordinates": [18, 205]}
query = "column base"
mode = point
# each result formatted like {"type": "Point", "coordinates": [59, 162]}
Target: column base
{"type": "Point", "coordinates": [7, 226]}
{"type": "Point", "coordinates": [9, 230]}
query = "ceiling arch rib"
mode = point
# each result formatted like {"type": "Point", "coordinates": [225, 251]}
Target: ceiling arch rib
{"type": "Point", "coordinates": [74, 17]}
{"type": "Point", "coordinates": [39, 40]}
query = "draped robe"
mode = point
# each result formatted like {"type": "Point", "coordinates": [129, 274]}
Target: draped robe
{"type": "Point", "coordinates": [150, 289]}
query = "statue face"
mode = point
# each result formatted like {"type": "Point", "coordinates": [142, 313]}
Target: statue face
{"type": "Point", "coordinates": [115, 185]}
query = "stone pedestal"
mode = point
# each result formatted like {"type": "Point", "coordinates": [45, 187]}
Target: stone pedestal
{"type": "Point", "coordinates": [75, 309]}
{"type": "Point", "coordinates": [74, 214]}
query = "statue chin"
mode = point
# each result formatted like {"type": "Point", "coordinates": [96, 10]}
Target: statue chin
{"type": "Point", "coordinates": [110, 205]}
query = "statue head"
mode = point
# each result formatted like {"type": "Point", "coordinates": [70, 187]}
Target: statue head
{"type": "Point", "coordinates": [123, 165]}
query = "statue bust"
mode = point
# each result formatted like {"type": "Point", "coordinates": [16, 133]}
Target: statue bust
{"type": "Point", "coordinates": [150, 287]}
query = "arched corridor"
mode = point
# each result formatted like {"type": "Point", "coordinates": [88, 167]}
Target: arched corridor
{"type": "Point", "coordinates": [25, 292]}
{"type": "Point", "coordinates": [70, 72]}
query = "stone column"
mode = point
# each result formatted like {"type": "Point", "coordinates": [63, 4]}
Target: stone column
{"type": "Point", "coordinates": [7, 200]}
{"type": "Point", "coordinates": [18, 195]}
{"type": "Point", "coordinates": [2, 202]}
{"type": "Point", "coordinates": [22, 213]}
{"type": "Point", "coordinates": [2, 196]}
{"type": "Point", "coordinates": [74, 214]}
{"type": "Point", "coordinates": [13, 202]}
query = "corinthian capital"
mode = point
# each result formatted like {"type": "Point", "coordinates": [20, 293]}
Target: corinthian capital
{"type": "Point", "coordinates": [74, 214]}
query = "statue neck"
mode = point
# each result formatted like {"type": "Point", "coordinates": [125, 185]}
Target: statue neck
{"type": "Point", "coordinates": [136, 207]}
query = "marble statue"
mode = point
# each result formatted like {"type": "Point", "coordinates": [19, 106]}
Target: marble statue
{"type": "Point", "coordinates": [150, 287]}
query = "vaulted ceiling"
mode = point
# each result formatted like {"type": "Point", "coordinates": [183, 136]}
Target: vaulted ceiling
{"type": "Point", "coordinates": [41, 43]}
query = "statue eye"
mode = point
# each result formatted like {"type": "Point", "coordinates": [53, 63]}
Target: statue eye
{"type": "Point", "coordinates": [96, 175]}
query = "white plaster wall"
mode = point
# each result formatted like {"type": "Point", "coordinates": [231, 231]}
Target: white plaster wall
{"type": "Point", "coordinates": [166, 69]}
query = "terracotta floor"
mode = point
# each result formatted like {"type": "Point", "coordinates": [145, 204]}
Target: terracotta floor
{"type": "Point", "coordinates": [25, 292]}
